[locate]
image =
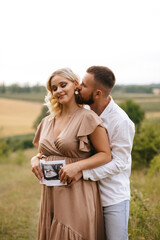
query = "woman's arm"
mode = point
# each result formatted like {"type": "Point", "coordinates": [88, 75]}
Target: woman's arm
{"type": "Point", "coordinates": [100, 142]}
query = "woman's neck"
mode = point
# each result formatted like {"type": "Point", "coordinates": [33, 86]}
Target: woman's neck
{"type": "Point", "coordinates": [69, 109]}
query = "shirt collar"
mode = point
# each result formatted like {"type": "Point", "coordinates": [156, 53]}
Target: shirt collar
{"type": "Point", "coordinates": [108, 108]}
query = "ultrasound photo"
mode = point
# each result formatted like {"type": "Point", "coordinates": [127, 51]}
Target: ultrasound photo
{"type": "Point", "coordinates": [51, 170]}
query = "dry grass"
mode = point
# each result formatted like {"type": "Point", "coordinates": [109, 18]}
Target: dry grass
{"type": "Point", "coordinates": [153, 115]}
{"type": "Point", "coordinates": [17, 117]}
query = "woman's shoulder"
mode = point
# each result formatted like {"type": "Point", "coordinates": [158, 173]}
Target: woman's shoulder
{"type": "Point", "coordinates": [89, 112]}
{"type": "Point", "coordinates": [87, 115]}
{"type": "Point", "coordinates": [46, 120]}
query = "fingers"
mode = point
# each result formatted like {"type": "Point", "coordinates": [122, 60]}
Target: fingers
{"type": "Point", "coordinates": [38, 173]}
{"type": "Point", "coordinates": [63, 176]}
{"type": "Point", "coordinates": [75, 179]}
{"type": "Point", "coordinates": [60, 173]}
{"type": "Point", "coordinates": [71, 183]}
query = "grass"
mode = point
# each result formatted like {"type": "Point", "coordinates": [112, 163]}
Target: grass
{"type": "Point", "coordinates": [144, 220]}
{"type": "Point", "coordinates": [32, 97]}
{"type": "Point", "coordinates": [148, 102]}
{"type": "Point", "coordinates": [20, 190]}
{"type": "Point", "coordinates": [20, 199]}
{"type": "Point", "coordinates": [17, 117]}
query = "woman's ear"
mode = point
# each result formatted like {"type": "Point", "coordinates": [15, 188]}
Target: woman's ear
{"type": "Point", "coordinates": [76, 83]}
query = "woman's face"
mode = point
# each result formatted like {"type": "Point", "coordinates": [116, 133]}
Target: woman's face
{"type": "Point", "coordinates": [62, 89]}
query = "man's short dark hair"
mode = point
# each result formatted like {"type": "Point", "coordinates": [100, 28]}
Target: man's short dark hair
{"type": "Point", "coordinates": [102, 75]}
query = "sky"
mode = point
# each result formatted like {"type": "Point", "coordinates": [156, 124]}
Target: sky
{"type": "Point", "coordinates": [38, 37]}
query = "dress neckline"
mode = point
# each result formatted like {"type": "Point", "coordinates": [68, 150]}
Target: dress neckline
{"type": "Point", "coordinates": [55, 138]}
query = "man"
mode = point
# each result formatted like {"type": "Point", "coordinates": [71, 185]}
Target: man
{"type": "Point", "coordinates": [114, 176]}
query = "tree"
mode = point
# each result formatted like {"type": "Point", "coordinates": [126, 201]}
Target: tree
{"type": "Point", "coordinates": [133, 110]}
{"type": "Point", "coordinates": [44, 113]}
{"type": "Point", "coordinates": [2, 88]}
{"type": "Point", "coordinates": [146, 143]}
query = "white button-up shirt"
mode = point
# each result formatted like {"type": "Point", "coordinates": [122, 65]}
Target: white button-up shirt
{"type": "Point", "coordinates": [114, 176]}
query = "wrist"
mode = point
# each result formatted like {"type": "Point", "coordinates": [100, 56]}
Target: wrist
{"type": "Point", "coordinates": [39, 155]}
{"type": "Point", "coordinates": [80, 166]}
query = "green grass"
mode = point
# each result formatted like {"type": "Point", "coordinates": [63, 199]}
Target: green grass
{"type": "Point", "coordinates": [150, 106]}
{"type": "Point", "coordinates": [20, 199]}
{"type": "Point", "coordinates": [144, 220]}
{"type": "Point", "coordinates": [148, 102]}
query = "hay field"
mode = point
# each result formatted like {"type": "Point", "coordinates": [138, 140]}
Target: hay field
{"type": "Point", "coordinates": [153, 115]}
{"type": "Point", "coordinates": [17, 117]}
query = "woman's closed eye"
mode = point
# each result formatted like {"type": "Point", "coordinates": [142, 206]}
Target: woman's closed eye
{"type": "Point", "coordinates": [63, 85]}
{"type": "Point", "coordinates": [54, 88]}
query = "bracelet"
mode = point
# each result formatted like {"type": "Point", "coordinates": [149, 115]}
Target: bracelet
{"type": "Point", "coordinates": [39, 155]}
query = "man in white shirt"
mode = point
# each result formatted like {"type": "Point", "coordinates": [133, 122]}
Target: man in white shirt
{"type": "Point", "coordinates": [114, 176]}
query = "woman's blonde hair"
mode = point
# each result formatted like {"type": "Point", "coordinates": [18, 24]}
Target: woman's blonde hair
{"type": "Point", "coordinates": [55, 108]}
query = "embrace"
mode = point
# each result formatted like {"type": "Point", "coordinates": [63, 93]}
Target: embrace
{"type": "Point", "coordinates": [94, 136]}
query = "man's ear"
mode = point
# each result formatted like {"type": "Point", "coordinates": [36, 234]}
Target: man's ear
{"type": "Point", "coordinates": [98, 93]}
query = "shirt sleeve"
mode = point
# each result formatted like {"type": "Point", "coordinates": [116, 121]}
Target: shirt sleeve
{"type": "Point", "coordinates": [121, 147]}
{"type": "Point", "coordinates": [88, 125]}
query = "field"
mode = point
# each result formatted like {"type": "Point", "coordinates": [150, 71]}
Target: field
{"type": "Point", "coordinates": [20, 191]}
{"type": "Point", "coordinates": [20, 200]}
{"type": "Point", "coordinates": [17, 117]}
{"type": "Point", "coordinates": [148, 102]}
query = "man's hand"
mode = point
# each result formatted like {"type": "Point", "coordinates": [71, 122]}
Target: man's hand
{"type": "Point", "coordinates": [36, 169]}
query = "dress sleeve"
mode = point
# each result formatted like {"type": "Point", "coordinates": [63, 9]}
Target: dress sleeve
{"type": "Point", "coordinates": [88, 124]}
{"type": "Point", "coordinates": [37, 134]}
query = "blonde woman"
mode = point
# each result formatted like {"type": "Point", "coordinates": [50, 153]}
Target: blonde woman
{"type": "Point", "coordinates": [71, 133]}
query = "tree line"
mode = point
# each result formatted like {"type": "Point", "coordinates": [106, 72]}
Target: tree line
{"type": "Point", "coordinates": [16, 88]}
{"type": "Point", "coordinates": [136, 88]}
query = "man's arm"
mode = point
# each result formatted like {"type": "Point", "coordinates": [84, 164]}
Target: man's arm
{"type": "Point", "coordinates": [121, 147]}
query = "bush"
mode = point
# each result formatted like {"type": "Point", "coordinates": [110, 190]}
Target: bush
{"type": "Point", "coordinates": [44, 113]}
{"type": "Point", "coordinates": [134, 111]}
{"type": "Point", "coordinates": [154, 166]}
{"type": "Point", "coordinates": [4, 147]}
{"type": "Point", "coordinates": [15, 143]}
{"type": "Point", "coordinates": [146, 143]}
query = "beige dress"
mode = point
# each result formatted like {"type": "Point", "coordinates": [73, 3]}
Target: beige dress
{"type": "Point", "coordinates": [70, 213]}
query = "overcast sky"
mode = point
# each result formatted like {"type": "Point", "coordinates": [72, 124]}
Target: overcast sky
{"type": "Point", "coordinates": [37, 37]}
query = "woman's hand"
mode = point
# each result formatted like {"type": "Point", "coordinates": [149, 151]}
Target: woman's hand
{"type": "Point", "coordinates": [68, 172]}
{"type": "Point", "coordinates": [36, 169]}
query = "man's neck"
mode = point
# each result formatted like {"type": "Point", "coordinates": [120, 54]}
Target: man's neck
{"type": "Point", "coordinates": [98, 107]}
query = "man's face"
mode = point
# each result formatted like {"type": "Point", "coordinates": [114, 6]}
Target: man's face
{"type": "Point", "coordinates": [87, 89]}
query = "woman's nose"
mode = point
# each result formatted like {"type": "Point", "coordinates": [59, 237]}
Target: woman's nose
{"type": "Point", "coordinates": [59, 90]}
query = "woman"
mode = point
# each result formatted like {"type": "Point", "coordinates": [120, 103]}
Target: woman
{"type": "Point", "coordinates": [70, 133]}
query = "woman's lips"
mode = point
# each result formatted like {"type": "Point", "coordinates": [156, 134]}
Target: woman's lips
{"type": "Point", "coordinates": [61, 96]}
